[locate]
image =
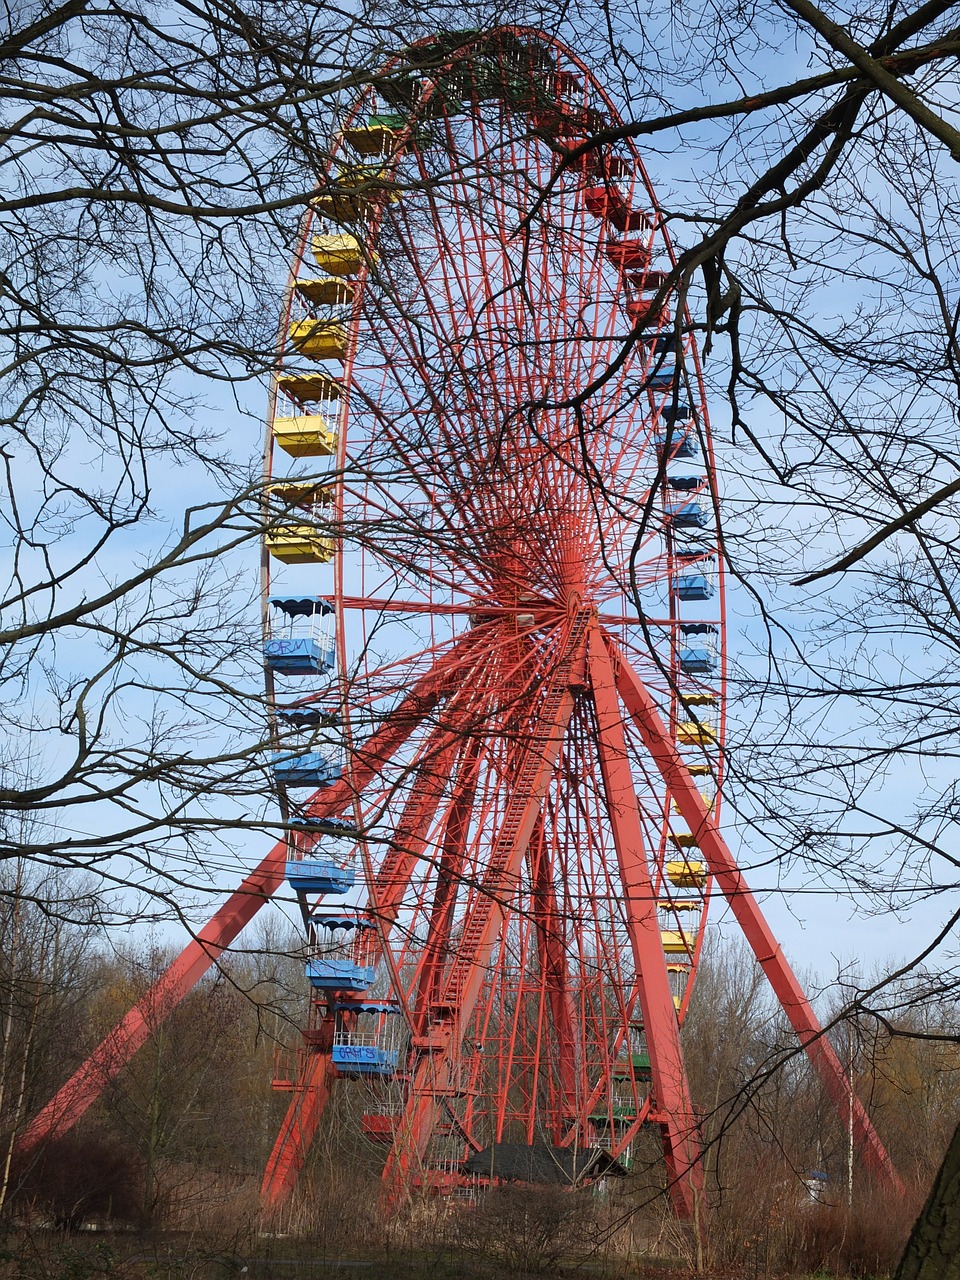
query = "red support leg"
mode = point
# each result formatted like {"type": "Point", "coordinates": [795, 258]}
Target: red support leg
{"type": "Point", "coordinates": [109, 1058]}
{"type": "Point", "coordinates": [680, 1143]}
{"type": "Point", "coordinates": [745, 908]}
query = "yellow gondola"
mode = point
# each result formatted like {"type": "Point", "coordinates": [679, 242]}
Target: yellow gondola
{"type": "Point", "coordinates": [687, 875]}
{"type": "Point", "coordinates": [338, 255]}
{"type": "Point", "coordinates": [308, 388]}
{"type": "Point", "coordinates": [707, 800]}
{"type": "Point", "coordinates": [677, 941]}
{"type": "Point", "coordinates": [319, 339]}
{"type": "Point", "coordinates": [683, 839]}
{"type": "Point", "coordinates": [304, 435]}
{"type": "Point", "coordinates": [346, 205]}
{"type": "Point", "coordinates": [371, 139]}
{"type": "Point", "coordinates": [299, 544]}
{"type": "Point", "coordinates": [297, 428]}
{"type": "Point", "coordinates": [332, 291]}
{"type": "Point", "coordinates": [292, 540]}
{"type": "Point", "coordinates": [691, 733]}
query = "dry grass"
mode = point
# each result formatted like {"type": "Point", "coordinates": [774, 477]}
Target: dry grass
{"type": "Point", "coordinates": [759, 1230]}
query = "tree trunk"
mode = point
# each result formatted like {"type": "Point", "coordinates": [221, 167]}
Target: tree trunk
{"type": "Point", "coordinates": [933, 1250]}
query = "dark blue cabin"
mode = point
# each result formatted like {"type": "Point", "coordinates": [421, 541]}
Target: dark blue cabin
{"type": "Point", "coordinates": [672, 413]}
{"type": "Point", "coordinates": [695, 579]}
{"type": "Point", "coordinates": [344, 959]}
{"type": "Point", "coordinates": [681, 504]}
{"type": "Point", "coordinates": [308, 716]}
{"type": "Point", "coordinates": [659, 345]}
{"type": "Point", "coordinates": [300, 640]}
{"type": "Point", "coordinates": [697, 653]}
{"type": "Point", "coordinates": [311, 769]}
{"type": "Point", "coordinates": [335, 827]}
{"type": "Point", "coordinates": [686, 513]}
{"type": "Point", "coordinates": [662, 380]}
{"type": "Point", "coordinates": [676, 445]}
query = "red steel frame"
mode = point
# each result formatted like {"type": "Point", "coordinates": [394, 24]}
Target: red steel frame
{"type": "Point", "coordinates": [527, 779]}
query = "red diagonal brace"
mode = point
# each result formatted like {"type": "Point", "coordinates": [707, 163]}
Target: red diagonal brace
{"type": "Point", "coordinates": [730, 881]}
{"type": "Point", "coordinates": [112, 1054]}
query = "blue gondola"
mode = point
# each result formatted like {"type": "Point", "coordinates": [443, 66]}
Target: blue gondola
{"type": "Point", "coordinates": [319, 875]}
{"type": "Point", "coordinates": [693, 586]}
{"type": "Point", "coordinates": [299, 656]}
{"type": "Point", "coordinates": [685, 512]}
{"type": "Point", "coordinates": [696, 580]}
{"type": "Point", "coordinates": [345, 961]}
{"type": "Point", "coordinates": [311, 769]}
{"type": "Point", "coordinates": [364, 1060]}
{"type": "Point", "coordinates": [676, 413]}
{"type": "Point", "coordinates": [662, 380]}
{"type": "Point", "coordinates": [698, 649]}
{"type": "Point", "coordinates": [361, 1052]}
{"type": "Point", "coordinates": [327, 973]}
{"type": "Point", "coordinates": [301, 644]}
{"type": "Point", "coordinates": [678, 445]}
{"type": "Point", "coordinates": [309, 869]}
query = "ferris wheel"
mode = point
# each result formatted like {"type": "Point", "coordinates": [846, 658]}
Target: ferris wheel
{"type": "Point", "coordinates": [494, 644]}
{"type": "Point", "coordinates": [521, 485]}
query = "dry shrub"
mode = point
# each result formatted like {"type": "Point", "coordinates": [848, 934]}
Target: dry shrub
{"type": "Point", "coordinates": [77, 1179]}
{"type": "Point", "coordinates": [778, 1231]}
{"type": "Point", "coordinates": [529, 1230]}
{"type": "Point", "coordinates": [341, 1215]}
{"type": "Point", "coordinates": [748, 1221]}
{"type": "Point", "coordinates": [863, 1241]}
{"type": "Point", "coordinates": [216, 1204]}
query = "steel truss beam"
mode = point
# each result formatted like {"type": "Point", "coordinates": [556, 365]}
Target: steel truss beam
{"type": "Point", "coordinates": [555, 975]}
{"type": "Point", "coordinates": [449, 875]}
